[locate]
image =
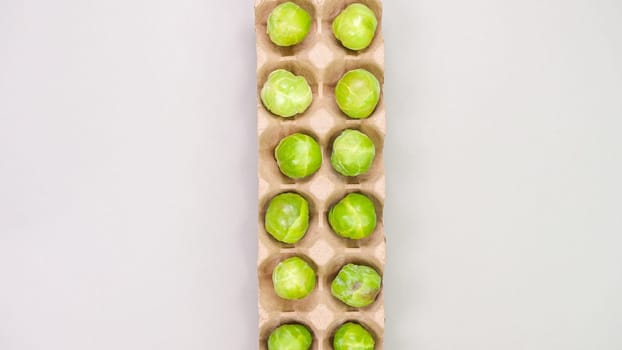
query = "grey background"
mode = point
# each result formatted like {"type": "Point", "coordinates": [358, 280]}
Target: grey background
{"type": "Point", "coordinates": [127, 168]}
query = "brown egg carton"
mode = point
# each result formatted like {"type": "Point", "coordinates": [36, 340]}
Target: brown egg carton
{"type": "Point", "coordinates": [322, 61]}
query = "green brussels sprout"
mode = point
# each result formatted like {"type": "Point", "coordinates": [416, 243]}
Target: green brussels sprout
{"type": "Point", "coordinates": [357, 93]}
{"type": "Point", "coordinates": [355, 27]}
{"type": "Point", "coordinates": [298, 156]}
{"type": "Point", "coordinates": [353, 217]}
{"type": "Point", "coordinates": [286, 94]}
{"type": "Point", "coordinates": [356, 285]}
{"type": "Point", "coordinates": [293, 279]}
{"type": "Point", "coordinates": [353, 336]}
{"type": "Point", "coordinates": [287, 217]}
{"type": "Point", "coordinates": [290, 337]}
{"type": "Point", "coordinates": [353, 153]}
{"type": "Point", "coordinates": [288, 24]}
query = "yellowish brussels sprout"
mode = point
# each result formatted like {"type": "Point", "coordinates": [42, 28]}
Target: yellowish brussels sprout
{"type": "Point", "coordinates": [353, 217]}
{"type": "Point", "coordinates": [286, 94]}
{"type": "Point", "coordinates": [288, 24]}
{"type": "Point", "coordinates": [287, 217]}
{"type": "Point", "coordinates": [357, 93]}
{"type": "Point", "coordinates": [298, 156]}
{"type": "Point", "coordinates": [290, 337]}
{"type": "Point", "coordinates": [355, 27]}
{"type": "Point", "coordinates": [353, 153]}
{"type": "Point", "coordinates": [356, 285]}
{"type": "Point", "coordinates": [353, 336]}
{"type": "Point", "coordinates": [293, 279]}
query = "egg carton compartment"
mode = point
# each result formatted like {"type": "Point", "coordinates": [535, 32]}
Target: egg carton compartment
{"type": "Point", "coordinates": [268, 141]}
{"type": "Point", "coordinates": [331, 269]}
{"type": "Point", "coordinates": [313, 232]}
{"type": "Point", "coordinates": [374, 240]}
{"type": "Point", "coordinates": [262, 12]}
{"type": "Point", "coordinates": [272, 323]}
{"type": "Point", "coordinates": [331, 9]}
{"type": "Point", "coordinates": [376, 136]}
{"type": "Point", "coordinates": [269, 300]}
{"type": "Point", "coordinates": [364, 319]}
{"type": "Point", "coordinates": [322, 60]}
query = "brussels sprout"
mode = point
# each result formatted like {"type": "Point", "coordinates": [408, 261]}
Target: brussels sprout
{"type": "Point", "coordinates": [288, 24]}
{"type": "Point", "coordinates": [298, 156]}
{"type": "Point", "coordinates": [357, 93]}
{"type": "Point", "coordinates": [356, 285]}
{"type": "Point", "coordinates": [355, 27]}
{"type": "Point", "coordinates": [352, 336]}
{"type": "Point", "coordinates": [353, 153]}
{"type": "Point", "coordinates": [290, 337]}
{"type": "Point", "coordinates": [287, 217]}
{"type": "Point", "coordinates": [353, 217]}
{"type": "Point", "coordinates": [286, 94]}
{"type": "Point", "coordinates": [293, 279]}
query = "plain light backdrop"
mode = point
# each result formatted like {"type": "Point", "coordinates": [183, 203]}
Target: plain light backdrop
{"type": "Point", "coordinates": [128, 193]}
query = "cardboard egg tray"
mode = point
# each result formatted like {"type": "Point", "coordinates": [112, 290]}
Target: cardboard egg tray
{"type": "Point", "coordinates": [322, 61]}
